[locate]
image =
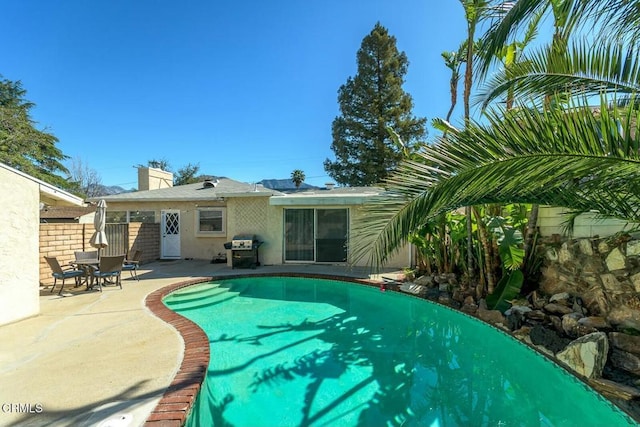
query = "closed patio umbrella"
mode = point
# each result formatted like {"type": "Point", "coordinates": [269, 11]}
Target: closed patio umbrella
{"type": "Point", "coordinates": [99, 238]}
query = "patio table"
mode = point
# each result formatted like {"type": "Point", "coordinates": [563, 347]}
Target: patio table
{"type": "Point", "coordinates": [87, 266]}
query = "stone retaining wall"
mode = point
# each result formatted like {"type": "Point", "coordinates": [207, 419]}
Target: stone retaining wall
{"type": "Point", "coordinates": [603, 273]}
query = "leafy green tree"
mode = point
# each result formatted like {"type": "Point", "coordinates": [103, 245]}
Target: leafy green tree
{"type": "Point", "coordinates": [187, 175]}
{"type": "Point", "coordinates": [298, 177]}
{"type": "Point", "coordinates": [369, 103]}
{"type": "Point", "coordinates": [162, 164]}
{"type": "Point", "coordinates": [22, 145]}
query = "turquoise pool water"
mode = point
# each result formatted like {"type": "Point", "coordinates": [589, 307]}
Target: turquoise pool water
{"type": "Point", "coordinates": [309, 352]}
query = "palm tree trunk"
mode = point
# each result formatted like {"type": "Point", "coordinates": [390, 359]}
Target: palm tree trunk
{"type": "Point", "coordinates": [468, 82]}
{"type": "Point", "coordinates": [486, 246]}
{"type": "Point", "coordinates": [470, 269]}
{"type": "Point", "coordinates": [532, 226]}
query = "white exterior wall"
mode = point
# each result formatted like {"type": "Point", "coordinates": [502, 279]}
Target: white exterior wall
{"type": "Point", "coordinates": [245, 215]}
{"type": "Point", "coordinates": [551, 221]}
{"type": "Point", "coordinates": [19, 264]}
{"type": "Point", "coordinates": [191, 245]}
{"type": "Point", "coordinates": [253, 215]}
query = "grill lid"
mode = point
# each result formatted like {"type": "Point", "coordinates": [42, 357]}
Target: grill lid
{"type": "Point", "coordinates": [244, 242]}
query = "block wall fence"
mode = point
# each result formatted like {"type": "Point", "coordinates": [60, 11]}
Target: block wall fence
{"type": "Point", "coordinates": [63, 239]}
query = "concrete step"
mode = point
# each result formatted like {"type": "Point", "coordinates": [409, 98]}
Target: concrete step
{"type": "Point", "coordinates": [193, 296]}
{"type": "Point", "coordinates": [208, 299]}
{"type": "Point", "coordinates": [194, 289]}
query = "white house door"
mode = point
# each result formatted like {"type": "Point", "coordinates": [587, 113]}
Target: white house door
{"type": "Point", "coordinates": [170, 242]}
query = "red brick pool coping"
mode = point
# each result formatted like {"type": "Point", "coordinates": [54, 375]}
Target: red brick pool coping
{"type": "Point", "coordinates": [175, 405]}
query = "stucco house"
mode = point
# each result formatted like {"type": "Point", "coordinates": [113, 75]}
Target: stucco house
{"type": "Point", "coordinates": [23, 198]}
{"type": "Point", "coordinates": [300, 226]}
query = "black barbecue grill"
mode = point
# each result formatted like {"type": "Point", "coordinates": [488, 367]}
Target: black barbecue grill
{"type": "Point", "coordinates": [244, 251]}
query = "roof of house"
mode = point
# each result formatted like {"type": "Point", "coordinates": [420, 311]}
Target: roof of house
{"type": "Point", "coordinates": [284, 184]}
{"type": "Point", "coordinates": [47, 190]}
{"type": "Point", "coordinates": [327, 196]}
{"type": "Point", "coordinates": [208, 190]}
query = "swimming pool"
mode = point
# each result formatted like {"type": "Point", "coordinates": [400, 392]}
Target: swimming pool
{"type": "Point", "coordinates": [289, 351]}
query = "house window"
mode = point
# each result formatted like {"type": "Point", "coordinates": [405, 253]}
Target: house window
{"type": "Point", "coordinates": [116, 217]}
{"type": "Point", "coordinates": [142, 216]}
{"type": "Point", "coordinates": [123, 217]}
{"type": "Point", "coordinates": [211, 221]}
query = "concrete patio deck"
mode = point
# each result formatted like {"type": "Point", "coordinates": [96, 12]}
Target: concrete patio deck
{"type": "Point", "coordinates": [98, 359]}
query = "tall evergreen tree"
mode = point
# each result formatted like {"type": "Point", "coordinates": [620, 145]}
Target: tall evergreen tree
{"type": "Point", "coordinates": [370, 103]}
{"type": "Point", "coordinates": [22, 145]}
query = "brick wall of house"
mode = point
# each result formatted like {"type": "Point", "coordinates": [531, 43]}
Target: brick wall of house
{"type": "Point", "coordinates": [62, 240]}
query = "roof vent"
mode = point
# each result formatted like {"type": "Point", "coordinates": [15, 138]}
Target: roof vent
{"type": "Point", "coordinates": [329, 185]}
{"type": "Point", "coordinates": [209, 183]}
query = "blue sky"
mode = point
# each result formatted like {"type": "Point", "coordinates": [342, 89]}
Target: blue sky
{"type": "Point", "coordinates": [246, 89]}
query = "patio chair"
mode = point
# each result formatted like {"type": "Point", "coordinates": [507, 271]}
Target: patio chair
{"type": "Point", "coordinates": [62, 273]}
{"type": "Point", "coordinates": [131, 265]}
{"type": "Point", "coordinates": [109, 271]}
{"type": "Point", "coordinates": [84, 256]}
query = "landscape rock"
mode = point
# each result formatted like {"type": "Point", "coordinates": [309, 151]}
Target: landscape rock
{"type": "Point", "coordinates": [635, 281]}
{"type": "Point", "coordinates": [537, 315]}
{"type": "Point", "coordinates": [547, 338]}
{"type": "Point", "coordinates": [633, 248]}
{"type": "Point", "coordinates": [625, 319]}
{"type": "Point", "coordinates": [564, 255]}
{"type": "Point", "coordinates": [425, 280]}
{"type": "Point", "coordinates": [557, 309]}
{"type": "Point", "coordinates": [585, 247]}
{"type": "Point", "coordinates": [596, 301]}
{"type": "Point", "coordinates": [578, 306]}
{"type": "Point", "coordinates": [570, 324]}
{"type": "Point", "coordinates": [556, 322]}
{"type": "Point", "coordinates": [471, 309]}
{"type": "Point", "coordinates": [626, 361]}
{"type": "Point", "coordinates": [516, 316]}
{"type": "Point", "coordinates": [551, 254]}
{"type": "Point", "coordinates": [561, 298]}
{"type": "Point", "coordinates": [432, 294]}
{"type": "Point", "coordinates": [522, 333]}
{"type": "Point", "coordinates": [537, 300]}
{"type": "Point", "coordinates": [595, 322]}
{"type": "Point", "coordinates": [615, 260]}
{"type": "Point", "coordinates": [490, 316]}
{"type": "Point", "coordinates": [610, 282]}
{"type": "Point", "coordinates": [586, 355]}
{"type": "Point", "coordinates": [625, 342]}
{"type": "Point", "coordinates": [615, 390]}
{"type": "Point", "coordinates": [412, 288]}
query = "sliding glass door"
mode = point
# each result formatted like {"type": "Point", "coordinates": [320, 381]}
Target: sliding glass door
{"type": "Point", "coordinates": [298, 235]}
{"type": "Point", "coordinates": [316, 235]}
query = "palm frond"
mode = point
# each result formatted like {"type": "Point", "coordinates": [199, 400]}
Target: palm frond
{"type": "Point", "coordinates": [585, 70]}
{"type": "Point", "coordinates": [500, 32]}
{"type": "Point", "coordinates": [572, 158]}
{"type": "Point", "coordinates": [618, 19]}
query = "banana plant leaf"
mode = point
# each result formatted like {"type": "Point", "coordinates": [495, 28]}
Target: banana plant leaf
{"type": "Point", "coordinates": [508, 288]}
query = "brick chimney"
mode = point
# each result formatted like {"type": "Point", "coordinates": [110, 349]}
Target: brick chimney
{"type": "Point", "coordinates": [153, 179]}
